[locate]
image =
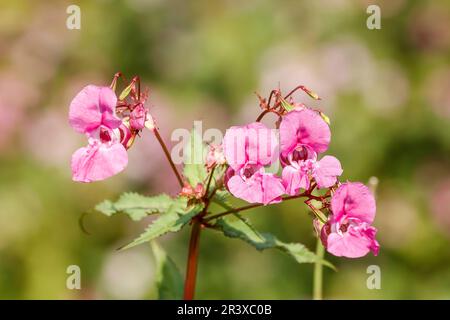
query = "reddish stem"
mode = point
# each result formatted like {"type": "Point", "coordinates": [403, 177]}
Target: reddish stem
{"type": "Point", "coordinates": [306, 194]}
{"type": "Point", "coordinates": [262, 115]}
{"type": "Point", "coordinates": [191, 270]}
{"type": "Point", "coordinates": [167, 154]}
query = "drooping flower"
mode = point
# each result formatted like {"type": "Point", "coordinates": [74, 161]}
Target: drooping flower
{"type": "Point", "coordinates": [247, 150]}
{"type": "Point", "coordinates": [303, 135]}
{"type": "Point", "coordinates": [349, 232]}
{"type": "Point", "coordinates": [92, 112]}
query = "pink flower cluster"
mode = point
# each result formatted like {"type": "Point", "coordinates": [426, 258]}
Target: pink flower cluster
{"type": "Point", "coordinates": [94, 112]}
{"type": "Point", "coordinates": [247, 152]}
{"type": "Point", "coordinates": [303, 136]}
{"type": "Point", "coordinates": [248, 149]}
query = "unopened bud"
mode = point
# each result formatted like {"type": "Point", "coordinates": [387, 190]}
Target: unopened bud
{"type": "Point", "coordinates": [199, 191]}
{"type": "Point", "coordinates": [187, 191]}
{"type": "Point", "coordinates": [138, 117]}
{"type": "Point", "coordinates": [215, 156]}
{"type": "Point", "coordinates": [127, 137]}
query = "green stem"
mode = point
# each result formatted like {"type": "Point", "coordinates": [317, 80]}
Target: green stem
{"type": "Point", "coordinates": [318, 272]}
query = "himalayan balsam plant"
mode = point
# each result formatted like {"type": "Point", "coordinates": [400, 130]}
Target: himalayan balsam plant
{"type": "Point", "coordinates": [242, 166]}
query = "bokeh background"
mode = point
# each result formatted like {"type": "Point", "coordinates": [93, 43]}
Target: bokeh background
{"type": "Point", "coordinates": [386, 91]}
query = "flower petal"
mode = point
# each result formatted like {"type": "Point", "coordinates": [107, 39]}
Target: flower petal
{"type": "Point", "coordinates": [98, 161]}
{"type": "Point", "coordinates": [234, 146]}
{"type": "Point", "coordinates": [294, 179]}
{"type": "Point", "coordinates": [304, 127]}
{"type": "Point", "coordinates": [326, 171]}
{"type": "Point", "coordinates": [261, 187]}
{"type": "Point", "coordinates": [353, 243]}
{"type": "Point", "coordinates": [92, 107]}
{"type": "Point", "coordinates": [262, 144]}
{"type": "Point", "coordinates": [273, 188]}
{"type": "Point", "coordinates": [353, 200]}
{"type": "Point", "coordinates": [249, 190]}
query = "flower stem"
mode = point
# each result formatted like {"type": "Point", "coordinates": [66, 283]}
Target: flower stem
{"type": "Point", "coordinates": [169, 158]}
{"type": "Point", "coordinates": [262, 115]}
{"type": "Point", "coordinates": [318, 272]}
{"type": "Point", "coordinates": [256, 205]}
{"type": "Point", "coordinates": [191, 270]}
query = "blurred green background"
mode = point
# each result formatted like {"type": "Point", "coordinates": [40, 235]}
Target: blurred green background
{"type": "Point", "coordinates": [386, 91]}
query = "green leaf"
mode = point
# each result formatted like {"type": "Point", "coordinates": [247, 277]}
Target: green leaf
{"type": "Point", "coordinates": [221, 197]}
{"type": "Point", "coordinates": [171, 221]}
{"type": "Point", "coordinates": [237, 227]}
{"type": "Point", "coordinates": [194, 159]}
{"type": "Point", "coordinates": [168, 278]}
{"type": "Point", "coordinates": [136, 206]}
{"type": "Point", "coordinates": [106, 207]}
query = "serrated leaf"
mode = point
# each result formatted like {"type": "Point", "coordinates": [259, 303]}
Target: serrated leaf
{"type": "Point", "coordinates": [194, 159]}
{"type": "Point", "coordinates": [169, 281]}
{"type": "Point", "coordinates": [106, 207]}
{"type": "Point", "coordinates": [235, 227]}
{"type": "Point", "coordinates": [136, 206]}
{"type": "Point", "coordinates": [221, 197]}
{"type": "Point", "coordinates": [171, 221]}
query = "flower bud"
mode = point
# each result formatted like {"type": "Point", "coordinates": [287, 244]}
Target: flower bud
{"type": "Point", "coordinates": [215, 156]}
{"type": "Point", "coordinates": [199, 191]}
{"type": "Point", "coordinates": [138, 117]}
{"type": "Point", "coordinates": [127, 137]}
{"type": "Point", "coordinates": [186, 191]}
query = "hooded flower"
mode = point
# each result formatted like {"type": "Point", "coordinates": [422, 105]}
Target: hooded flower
{"type": "Point", "coordinates": [93, 106]}
{"type": "Point", "coordinates": [251, 144]}
{"type": "Point", "coordinates": [304, 134]}
{"type": "Point", "coordinates": [348, 231]}
{"type": "Point", "coordinates": [247, 150]}
{"type": "Point", "coordinates": [92, 112]}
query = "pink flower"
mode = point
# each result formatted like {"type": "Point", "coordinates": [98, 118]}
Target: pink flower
{"type": "Point", "coordinates": [138, 117]}
{"type": "Point", "coordinates": [304, 134]}
{"type": "Point", "coordinates": [303, 128]}
{"type": "Point", "coordinates": [92, 112]}
{"type": "Point", "coordinates": [254, 185]}
{"type": "Point", "coordinates": [348, 231]}
{"type": "Point", "coordinates": [101, 159]}
{"type": "Point", "coordinates": [93, 106]}
{"type": "Point", "coordinates": [251, 144]}
{"type": "Point", "coordinates": [247, 150]}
